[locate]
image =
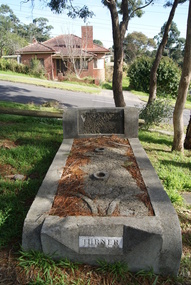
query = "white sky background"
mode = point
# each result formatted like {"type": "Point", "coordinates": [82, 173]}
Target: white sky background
{"type": "Point", "coordinates": [149, 24]}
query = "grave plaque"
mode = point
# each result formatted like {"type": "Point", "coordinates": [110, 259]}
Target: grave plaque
{"type": "Point", "coordinates": [111, 122]}
{"type": "Point", "coordinates": [100, 242]}
{"type": "Point", "coordinates": [92, 122]}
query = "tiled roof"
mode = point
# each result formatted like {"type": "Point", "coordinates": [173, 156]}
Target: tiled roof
{"type": "Point", "coordinates": [36, 47]}
{"type": "Point", "coordinates": [61, 44]}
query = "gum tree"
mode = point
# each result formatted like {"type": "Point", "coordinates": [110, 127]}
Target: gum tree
{"type": "Point", "coordinates": [121, 12]}
{"type": "Point", "coordinates": [153, 76]}
{"type": "Point", "coordinates": [182, 91]}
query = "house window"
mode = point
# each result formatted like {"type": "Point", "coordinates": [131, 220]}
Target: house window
{"type": "Point", "coordinates": [41, 61]}
{"type": "Point", "coordinates": [99, 63]}
{"type": "Point", "coordinates": [81, 64]}
{"type": "Point", "coordinates": [61, 66]}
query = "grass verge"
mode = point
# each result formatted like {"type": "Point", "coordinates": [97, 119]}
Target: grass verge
{"type": "Point", "coordinates": [27, 147]}
{"type": "Point", "coordinates": [67, 85]}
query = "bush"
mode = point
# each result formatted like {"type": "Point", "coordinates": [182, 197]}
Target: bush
{"type": "Point", "coordinates": [22, 68]}
{"type": "Point", "coordinates": [36, 68]}
{"type": "Point", "coordinates": [4, 64]}
{"type": "Point", "coordinates": [139, 74]}
{"type": "Point", "coordinates": [12, 65]}
{"type": "Point", "coordinates": [155, 113]}
{"type": "Point", "coordinates": [168, 76]}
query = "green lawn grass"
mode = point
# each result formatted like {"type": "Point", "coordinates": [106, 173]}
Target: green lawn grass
{"type": "Point", "coordinates": [28, 146]}
{"type": "Point", "coordinates": [173, 168]}
{"type": "Point", "coordinates": [66, 85]}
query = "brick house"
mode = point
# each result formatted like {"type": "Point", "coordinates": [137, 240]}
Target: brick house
{"type": "Point", "coordinates": [59, 54]}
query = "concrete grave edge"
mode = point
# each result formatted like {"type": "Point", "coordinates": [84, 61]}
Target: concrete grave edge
{"type": "Point", "coordinates": [165, 223]}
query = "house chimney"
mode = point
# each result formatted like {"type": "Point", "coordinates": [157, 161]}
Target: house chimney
{"type": "Point", "coordinates": [34, 41]}
{"type": "Point", "coordinates": [87, 36]}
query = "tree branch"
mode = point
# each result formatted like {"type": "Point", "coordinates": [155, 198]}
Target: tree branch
{"type": "Point", "coordinates": [139, 8]}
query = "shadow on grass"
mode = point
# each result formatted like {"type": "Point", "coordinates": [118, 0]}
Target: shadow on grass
{"type": "Point", "coordinates": [155, 138]}
{"type": "Point", "coordinates": [177, 164]}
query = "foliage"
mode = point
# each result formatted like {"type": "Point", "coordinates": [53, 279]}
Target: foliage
{"type": "Point", "coordinates": [36, 68]}
{"type": "Point", "coordinates": [139, 73]}
{"type": "Point", "coordinates": [39, 29]}
{"type": "Point", "coordinates": [12, 65]}
{"type": "Point", "coordinates": [118, 269]}
{"type": "Point", "coordinates": [175, 45]}
{"type": "Point", "coordinates": [167, 80]}
{"type": "Point", "coordinates": [73, 11]}
{"type": "Point", "coordinates": [15, 35]}
{"type": "Point", "coordinates": [136, 44]}
{"type": "Point", "coordinates": [98, 42]}
{"type": "Point", "coordinates": [155, 113]}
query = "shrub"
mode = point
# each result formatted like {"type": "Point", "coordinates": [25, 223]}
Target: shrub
{"type": "Point", "coordinates": [36, 68]}
{"type": "Point", "coordinates": [4, 64]}
{"type": "Point", "coordinates": [139, 74]}
{"type": "Point", "coordinates": [22, 68]}
{"type": "Point", "coordinates": [155, 113]}
{"type": "Point", "coordinates": [168, 76]}
{"type": "Point", "coordinates": [12, 65]}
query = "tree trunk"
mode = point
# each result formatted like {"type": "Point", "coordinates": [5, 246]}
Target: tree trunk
{"type": "Point", "coordinates": [187, 142]}
{"type": "Point", "coordinates": [153, 76]}
{"type": "Point", "coordinates": [182, 91]}
{"type": "Point", "coordinates": [117, 78]}
{"type": "Point", "coordinates": [118, 37]}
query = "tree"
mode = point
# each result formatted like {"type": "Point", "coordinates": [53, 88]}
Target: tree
{"type": "Point", "coordinates": [13, 43]}
{"type": "Point", "coordinates": [98, 42]}
{"type": "Point", "coordinates": [173, 35]}
{"type": "Point", "coordinates": [153, 76]}
{"type": "Point", "coordinates": [7, 25]}
{"type": "Point", "coordinates": [177, 52]}
{"type": "Point", "coordinates": [137, 44]}
{"type": "Point", "coordinates": [14, 35]}
{"type": "Point", "coordinates": [175, 45]}
{"type": "Point", "coordinates": [187, 142]}
{"type": "Point", "coordinates": [182, 91]}
{"type": "Point", "coordinates": [121, 12]}
{"type": "Point", "coordinates": [124, 10]}
{"type": "Point", "coordinates": [77, 55]}
{"type": "Point", "coordinates": [40, 30]}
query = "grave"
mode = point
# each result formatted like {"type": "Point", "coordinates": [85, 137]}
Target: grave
{"type": "Point", "coordinates": [111, 220]}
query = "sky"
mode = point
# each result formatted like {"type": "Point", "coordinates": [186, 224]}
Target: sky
{"type": "Point", "coordinates": [149, 24]}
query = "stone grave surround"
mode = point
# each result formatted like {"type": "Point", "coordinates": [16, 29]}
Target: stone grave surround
{"type": "Point", "coordinates": [143, 242]}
